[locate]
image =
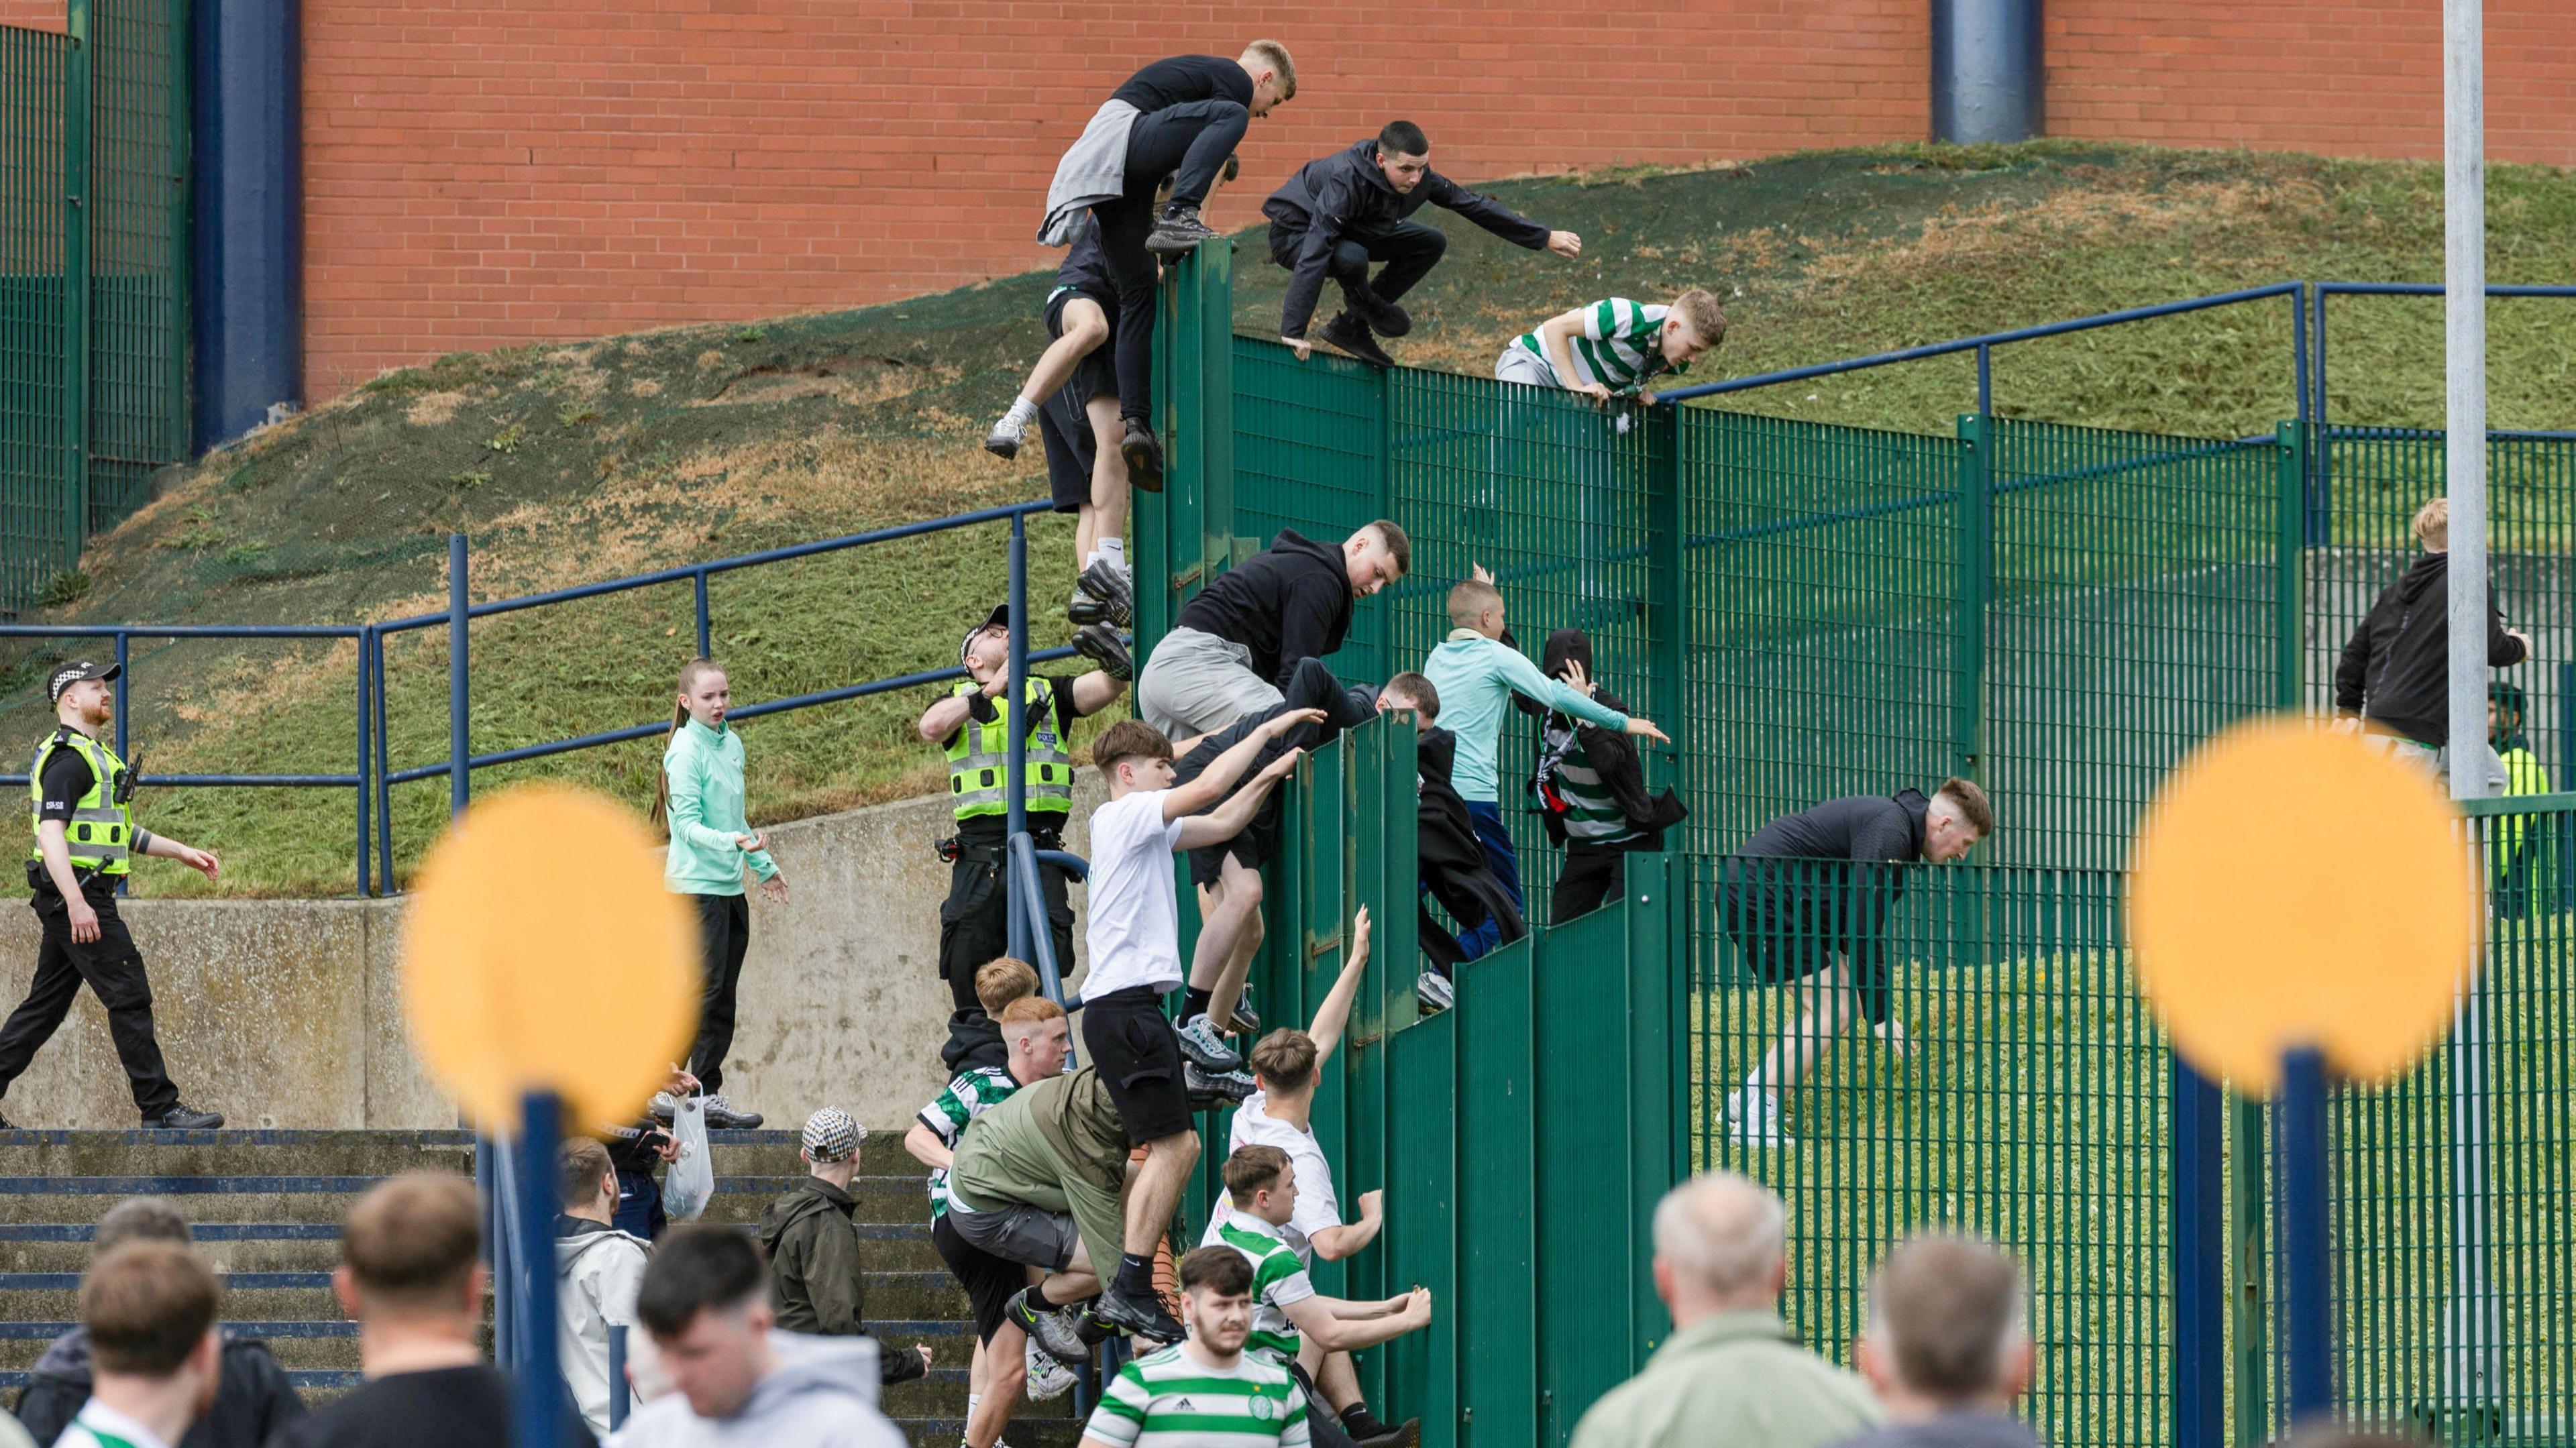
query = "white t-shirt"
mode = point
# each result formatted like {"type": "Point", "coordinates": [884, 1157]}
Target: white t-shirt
{"type": "Point", "coordinates": [1135, 927]}
{"type": "Point", "coordinates": [1317, 1207]}
{"type": "Point", "coordinates": [100, 1425]}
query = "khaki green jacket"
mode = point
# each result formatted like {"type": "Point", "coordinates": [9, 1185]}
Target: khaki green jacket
{"type": "Point", "coordinates": [1738, 1378]}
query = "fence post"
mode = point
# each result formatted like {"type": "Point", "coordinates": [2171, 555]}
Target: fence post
{"type": "Point", "coordinates": [460, 744]}
{"type": "Point", "coordinates": [2249, 1302]}
{"type": "Point", "coordinates": [2199, 1260]}
{"type": "Point", "coordinates": [1667, 580]}
{"type": "Point", "coordinates": [1015, 766]}
{"type": "Point", "coordinates": [76, 280]}
{"type": "Point", "coordinates": [1975, 553]}
{"type": "Point", "coordinates": [384, 768]}
{"type": "Point", "coordinates": [2291, 529]}
{"type": "Point", "coordinates": [366, 710]}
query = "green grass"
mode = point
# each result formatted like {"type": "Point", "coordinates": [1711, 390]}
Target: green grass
{"type": "Point", "coordinates": [585, 461]}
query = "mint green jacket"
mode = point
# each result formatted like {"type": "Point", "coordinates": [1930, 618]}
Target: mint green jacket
{"type": "Point", "coordinates": [706, 812]}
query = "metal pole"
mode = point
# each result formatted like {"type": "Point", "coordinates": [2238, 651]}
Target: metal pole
{"type": "Point", "coordinates": [2199, 1260]}
{"type": "Point", "coordinates": [460, 748]}
{"type": "Point", "coordinates": [1015, 770]}
{"type": "Point", "coordinates": [2468, 1369]}
{"type": "Point", "coordinates": [1985, 380]}
{"type": "Point", "coordinates": [617, 1389]}
{"type": "Point", "coordinates": [536, 1409]}
{"type": "Point", "coordinates": [706, 626]}
{"type": "Point", "coordinates": [2307, 1302]}
{"type": "Point", "coordinates": [366, 747]}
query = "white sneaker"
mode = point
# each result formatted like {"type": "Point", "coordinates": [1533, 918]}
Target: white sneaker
{"type": "Point", "coordinates": [1047, 1377]}
{"type": "Point", "coordinates": [1434, 991]}
{"type": "Point", "coordinates": [1753, 1119]}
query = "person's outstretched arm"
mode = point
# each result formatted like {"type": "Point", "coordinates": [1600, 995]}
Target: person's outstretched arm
{"type": "Point", "coordinates": [1499, 219]}
{"type": "Point", "coordinates": [1524, 679]}
{"type": "Point", "coordinates": [1229, 819]}
{"type": "Point", "coordinates": [1335, 1012]}
{"type": "Point", "coordinates": [1226, 768]}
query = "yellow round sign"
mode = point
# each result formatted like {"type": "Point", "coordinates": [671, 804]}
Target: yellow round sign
{"type": "Point", "coordinates": [2294, 885]}
{"type": "Point", "coordinates": [542, 952]}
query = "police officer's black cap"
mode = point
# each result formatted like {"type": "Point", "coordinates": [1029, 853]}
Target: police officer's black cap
{"type": "Point", "coordinates": [66, 675]}
{"type": "Point", "coordinates": [1000, 617]}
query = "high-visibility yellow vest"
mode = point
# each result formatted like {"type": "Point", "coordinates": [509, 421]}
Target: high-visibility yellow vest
{"type": "Point", "coordinates": [100, 832]}
{"type": "Point", "coordinates": [979, 758]}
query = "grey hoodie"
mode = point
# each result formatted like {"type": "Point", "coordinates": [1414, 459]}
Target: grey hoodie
{"type": "Point", "coordinates": [823, 1394]}
{"type": "Point", "coordinates": [598, 1271]}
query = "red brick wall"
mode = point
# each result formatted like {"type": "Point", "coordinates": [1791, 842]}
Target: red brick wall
{"type": "Point", "coordinates": [35, 14]}
{"type": "Point", "coordinates": [479, 174]}
{"type": "Point", "coordinates": [2346, 77]}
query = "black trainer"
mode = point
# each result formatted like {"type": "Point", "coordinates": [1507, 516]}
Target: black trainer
{"type": "Point", "coordinates": [1099, 643]}
{"type": "Point", "coordinates": [1054, 1330]}
{"type": "Point", "coordinates": [1346, 333]}
{"type": "Point", "coordinates": [1382, 316]}
{"type": "Point", "coordinates": [182, 1118]}
{"type": "Point", "coordinates": [1082, 608]}
{"type": "Point", "coordinates": [1140, 1316]}
{"type": "Point", "coordinates": [1109, 583]}
{"type": "Point", "coordinates": [1180, 231]}
{"type": "Point", "coordinates": [1144, 457]}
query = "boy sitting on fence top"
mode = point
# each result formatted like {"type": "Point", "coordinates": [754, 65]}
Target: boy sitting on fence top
{"type": "Point", "coordinates": [1614, 347]}
{"type": "Point", "coordinates": [1807, 898]}
{"type": "Point", "coordinates": [1475, 671]}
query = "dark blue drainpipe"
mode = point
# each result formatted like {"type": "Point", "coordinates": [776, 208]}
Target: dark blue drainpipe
{"type": "Point", "coordinates": [246, 258]}
{"type": "Point", "coordinates": [1988, 76]}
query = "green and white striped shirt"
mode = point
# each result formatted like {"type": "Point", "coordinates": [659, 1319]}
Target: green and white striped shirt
{"type": "Point", "coordinates": [971, 1095]}
{"type": "Point", "coordinates": [1619, 347]}
{"type": "Point", "coordinates": [100, 1426]}
{"type": "Point", "coordinates": [1170, 1399]}
{"type": "Point", "coordinates": [1592, 816]}
{"type": "Point", "coordinates": [1278, 1279]}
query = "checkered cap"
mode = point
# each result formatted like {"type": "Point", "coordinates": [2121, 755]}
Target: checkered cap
{"type": "Point", "coordinates": [830, 1135]}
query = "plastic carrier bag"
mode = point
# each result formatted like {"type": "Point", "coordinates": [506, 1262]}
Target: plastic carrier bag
{"type": "Point", "coordinates": [691, 1182]}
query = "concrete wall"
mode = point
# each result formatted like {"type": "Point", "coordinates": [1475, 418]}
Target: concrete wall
{"type": "Point", "coordinates": [288, 1013]}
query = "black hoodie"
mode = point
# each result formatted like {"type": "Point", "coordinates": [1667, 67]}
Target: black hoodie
{"type": "Point", "coordinates": [1606, 751]}
{"type": "Point", "coordinates": [253, 1397]}
{"type": "Point", "coordinates": [1346, 196]}
{"type": "Point", "coordinates": [2397, 668]}
{"type": "Point", "coordinates": [1290, 601]}
{"type": "Point", "coordinates": [1844, 863]}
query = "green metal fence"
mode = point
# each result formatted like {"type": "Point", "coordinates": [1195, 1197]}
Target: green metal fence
{"type": "Point", "coordinates": [93, 277]}
{"type": "Point", "coordinates": [1812, 610]}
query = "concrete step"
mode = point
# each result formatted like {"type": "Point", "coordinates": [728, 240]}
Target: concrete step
{"type": "Point", "coordinates": [315, 1246]}
{"type": "Point", "coordinates": [358, 1153]}
{"type": "Point", "coordinates": [882, 1200]}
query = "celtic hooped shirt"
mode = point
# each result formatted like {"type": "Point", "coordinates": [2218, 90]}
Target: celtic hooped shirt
{"type": "Point", "coordinates": [1170, 1399]}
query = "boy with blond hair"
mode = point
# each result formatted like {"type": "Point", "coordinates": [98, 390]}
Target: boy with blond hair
{"type": "Point", "coordinates": [1614, 347]}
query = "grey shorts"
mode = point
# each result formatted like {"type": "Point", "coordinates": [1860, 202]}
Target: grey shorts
{"type": "Point", "coordinates": [1196, 683]}
{"type": "Point", "coordinates": [1517, 365]}
{"type": "Point", "coordinates": [1018, 1232]}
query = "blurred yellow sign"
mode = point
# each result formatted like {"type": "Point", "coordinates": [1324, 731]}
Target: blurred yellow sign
{"type": "Point", "coordinates": [541, 951]}
{"type": "Point", "coordinates": [2294, 885]}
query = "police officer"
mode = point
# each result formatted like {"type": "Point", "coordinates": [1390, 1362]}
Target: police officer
{"type": "Point", "coordinates": [85, 837]}
{"type": "Point", "coordinates": [974, 725]}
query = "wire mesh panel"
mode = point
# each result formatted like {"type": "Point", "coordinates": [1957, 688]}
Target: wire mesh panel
{"type": "Point", "coordinates": [2134, 611]}
{"type": "Point", "coordinates": [35, 457]}
{"type": "Point", "coordinates": [1823, 593]}
{"type": "Point", "coordinates": [138, 419]}
{"type": "Point", "coordinates": [2029, 1102]}
{"type": "Point", "coordinates": [2454, 1198]}
{"type": "Point", "coordinates": [1309, 454]}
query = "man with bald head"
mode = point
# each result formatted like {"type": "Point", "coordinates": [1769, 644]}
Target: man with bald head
{"type": "Point", "coordinates": [1948, 1345]}
{"type": "Point", "coordinates": [1732, 1372]}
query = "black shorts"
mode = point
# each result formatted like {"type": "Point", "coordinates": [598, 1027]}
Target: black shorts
{"type": "Point", "coordinates": [1254, 848]}
{"type": "Point", "coordinates": [1139, 1058]}
{"type": "Point", "coordinates": [990, 1282]}
{"type": "Point", "coordinates": [1064, 424]}
{"type": "Point", "coordinates": [1785, 932]}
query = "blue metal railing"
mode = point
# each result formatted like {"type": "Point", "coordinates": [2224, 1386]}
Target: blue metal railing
{"type": "Point", "coordinates": [375, 776]}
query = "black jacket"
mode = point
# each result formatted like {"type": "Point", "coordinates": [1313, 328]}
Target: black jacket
{"type": "Point", "coordinates": [253, 1399]}
{"type": "Point", "coordinates": [1845, 863]}
{"type": "Point", "coordinates": [1288, 602]}
{"type": "Point", "coordinates": [2397, 667]}
{"type": "Point", "coordinates": [1347, 195]}
{"type": "Point", "coordinates": [1610, 754]}
{"type": "Point", "coordinates": [1451, 862]}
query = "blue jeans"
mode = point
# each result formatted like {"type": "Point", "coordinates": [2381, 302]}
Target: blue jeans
{"type": "Point", "coordinates": [639, 1205]}
{"type": "Point", "coordinates": [1497, 843]}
